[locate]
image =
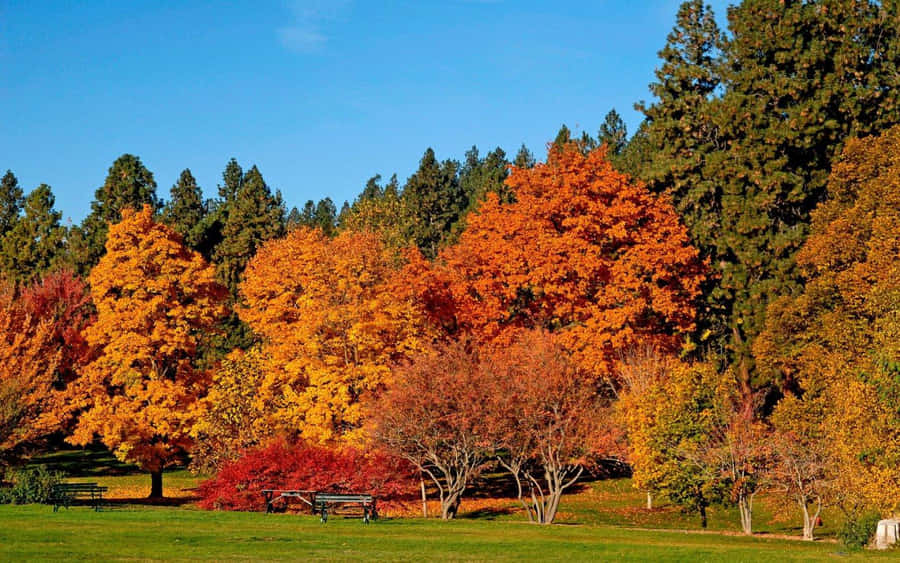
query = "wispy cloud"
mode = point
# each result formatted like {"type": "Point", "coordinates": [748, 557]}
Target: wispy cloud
{"type": "Point", "coordinates": [307, 30]}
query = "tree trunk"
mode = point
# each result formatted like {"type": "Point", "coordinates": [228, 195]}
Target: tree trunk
{"type": "Point", "coordinates": [424, 498]}
{"type": "Point", "coordinates": [156, 490]}
{"type": "Point", "coordinates": [745, 507]}
{"type": "Point", "coordinates": [809, 520]}
{"type": "Point", "coordinates": [649, 500]}
{"type": "Point", "coordinates": [450, 506]}
{"type": "Point", "coordinates": [703, 521]}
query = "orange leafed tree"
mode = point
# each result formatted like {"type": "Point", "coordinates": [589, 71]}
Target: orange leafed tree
{"type": "Point", "coordinates": [155, 300]}
{"type": "Point", "coordinates": [584, 251]}
{"type": "Point", "coordinates": [331, 326]}
{"type": "Point", "coordinates": [28, 362]}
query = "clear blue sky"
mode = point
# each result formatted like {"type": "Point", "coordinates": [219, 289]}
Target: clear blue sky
{"type": "Point", "coordinates": [320, 95]}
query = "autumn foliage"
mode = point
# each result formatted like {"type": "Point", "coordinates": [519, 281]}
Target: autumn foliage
{"type": "Point", "coordinates": [331, 327]}
{"type": "Point", "coordinates": [28, 361]}
{"type": "Point", "coordinates": [155, 301]}
{"type": "Point", "coordinates": [583, 250]}
{"type": "Point", "coordinates": [302, 466]}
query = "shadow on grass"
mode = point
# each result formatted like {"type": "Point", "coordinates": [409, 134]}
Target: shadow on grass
{"type": "Point", "coordinates": [486, 513]}
{"type": "Point", "coordinates": [92, 461]}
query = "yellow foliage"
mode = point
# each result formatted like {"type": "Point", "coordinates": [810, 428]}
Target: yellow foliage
{"type": "Point", "coordinates": [331, 328]}
{"type": "Point", "coordinates": [155, 299]}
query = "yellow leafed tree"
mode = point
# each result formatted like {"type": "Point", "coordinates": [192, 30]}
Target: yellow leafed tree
{"type": "Point", "coordinates": [155, 300]}
{"type": "Point", "coordinates": [331, 326]}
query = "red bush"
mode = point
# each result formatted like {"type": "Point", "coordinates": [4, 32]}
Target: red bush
{"type": "Point", "coordinates": [306, 467]}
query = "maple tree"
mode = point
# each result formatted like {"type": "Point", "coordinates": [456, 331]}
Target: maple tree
{"type": "Point", "coordinates": [331, 325]}
{"type": "Point", "coordinates": [28, 362]}
{"type": "Point", "coordinates": [548, 415]}
{"type": "Point", "coordinates": [582, 251]}
{"type": "Point", "coordinates": [434, 415]}
{"type": "Point", "coordinates": [155, 299]}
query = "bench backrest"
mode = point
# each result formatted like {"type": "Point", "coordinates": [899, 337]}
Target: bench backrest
{"type": "Point", "coordinates": [78, 487]}
{"type": "Point", "coordinates": [330, 497]}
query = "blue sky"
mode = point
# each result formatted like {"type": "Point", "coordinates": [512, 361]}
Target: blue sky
{"type": "Point", "coordinates": [320, 95]}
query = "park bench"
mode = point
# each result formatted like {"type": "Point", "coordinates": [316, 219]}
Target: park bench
{"type": "Point", "coordinates": [67, 494]}
{"type": "Point", "coordinates": [273, 495]}
{"type": "Point", "coordinates": [332, 502]}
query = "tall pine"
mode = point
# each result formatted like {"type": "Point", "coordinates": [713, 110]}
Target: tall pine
{"type": "Point", "coordinates": [10, 201]}
{"type": "Point", "coordinates": [186, 210]}
{"type": "Point", "coordinates": [128, 185]}
{"type": "Point", "coordinates": [434, 202]}
{"type": "Point", "coordinates": [35, 243]}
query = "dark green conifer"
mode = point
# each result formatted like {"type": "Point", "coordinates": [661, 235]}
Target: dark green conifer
{"type": "Point", "coordinates": [434, 202]}
{"type": "Point", "coordinates": [185, 211]}
{"type": "Point", "coordinates": [128, 185]}
{"type": "Point", "coordinates": [35, 243]}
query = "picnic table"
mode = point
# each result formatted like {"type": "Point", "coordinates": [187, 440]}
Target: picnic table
{"type": "Point", "coordinates": [332, 502]}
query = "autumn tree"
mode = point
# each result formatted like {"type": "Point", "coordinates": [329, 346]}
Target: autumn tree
{"type": "Point", "coordinates": [232, 416]}
{"type": "Point", "coordinates": [155, 300]}
{"type": "Point", "coordinates": [583, 251]}
{"type": "Point", "coordinates": [28, 361]}
{"type": "Point", "coordinates": [800, 466]}
{"type": "Point", "coordinates": [641, 371]}
{"type": "Point", "coordinates": [332, 324]}
{"type": "Point", "coordinates": [433, 415]}
{"type": "Point", "coordinates": [547, 415]}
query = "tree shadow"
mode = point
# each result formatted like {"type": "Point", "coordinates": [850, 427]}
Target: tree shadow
{"type": "Point", "coordinates": [486, 513]}
{"type": "Point", "coordinates": [92, 461]}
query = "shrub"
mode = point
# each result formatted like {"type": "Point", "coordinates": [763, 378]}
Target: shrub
{"type": "Point", "coordinates": [32, 485]}
{"type": "Point", "coordinates": [281, 465]}
{"type": "Point", "coordinates": [858, 531]}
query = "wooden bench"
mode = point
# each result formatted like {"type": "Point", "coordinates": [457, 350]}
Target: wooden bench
{"type": "Point", "coordinates": [66, 494]}
{"type": "Point", "coordinates": [272, 495]}
{"type": "Point", "coordinates": [324, 503]}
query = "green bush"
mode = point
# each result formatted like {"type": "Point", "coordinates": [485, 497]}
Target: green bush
{"type": "Point", "coordinates": [32, 485]}
{"type": "Point", "coordinates": [858, 531]}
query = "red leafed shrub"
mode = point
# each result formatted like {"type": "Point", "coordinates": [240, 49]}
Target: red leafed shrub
{"type": "Point", "coordinates": [281, 465]}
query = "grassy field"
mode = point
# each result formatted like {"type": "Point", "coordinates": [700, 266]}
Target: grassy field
{"type": "Point", "coordinates": [35, 532]}
{"type": "Point", "coordinates": [602, 520]}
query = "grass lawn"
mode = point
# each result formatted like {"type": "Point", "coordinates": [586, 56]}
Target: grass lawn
{"type": "Point", "coordinates": [601, 520]}
{"type": "Point", "coordinates": [36, 532]}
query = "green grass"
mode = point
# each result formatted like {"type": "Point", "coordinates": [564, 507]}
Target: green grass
{"type": "Point", "coordinates": [36, 532]}
{"type": "Point", "coordinates": [602, 520]}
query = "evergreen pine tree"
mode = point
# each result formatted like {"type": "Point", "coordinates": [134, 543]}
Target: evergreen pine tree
{"type": "Point", "coordinates": [326, 216]}
{"type": "Point", "coordinates": [524, 158]}
{"type": "Point", "coordinates": [186, 210]}
{"type": "Point", "coordinates": [434, 202]}
{"type": "Point", "coordinates": [35, 243]}
{"type": "Point", "coordinates": [254, 215]}
{"type": "Point", "coordinates": [128, 185]}
{"type": "Point", "coordinates": [614, 133]}
{"type": "Point", "coordinates": [10, 201]}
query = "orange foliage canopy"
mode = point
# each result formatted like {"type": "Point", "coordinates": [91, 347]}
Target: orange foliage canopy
{"type": "Point", "coordinates": [154, 299]}
{"type": "Point", "coordinates": [331, 326]}
{"type": "Point", "coordinates": [28, 361]}
{"type": "Point", "coordinates": [584, 251]}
